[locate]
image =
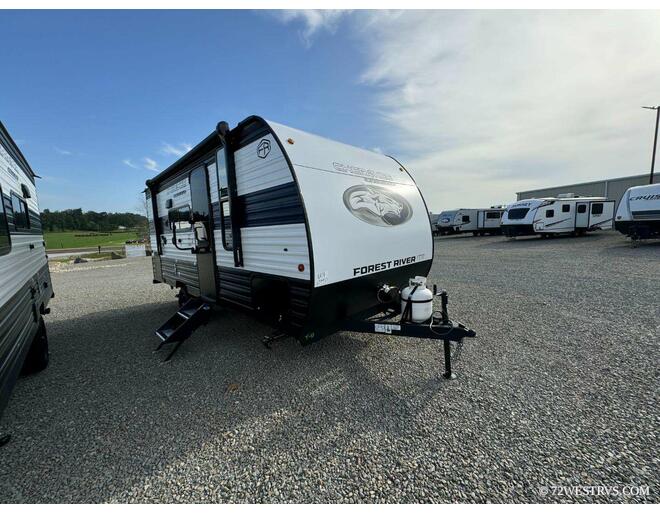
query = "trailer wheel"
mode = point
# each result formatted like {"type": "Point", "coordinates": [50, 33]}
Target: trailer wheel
{"type": "Point", "coordinates": [38, 356]}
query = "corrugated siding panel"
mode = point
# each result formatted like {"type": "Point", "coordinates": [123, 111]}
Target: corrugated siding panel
{"type": "Point", "coordinates": [264, 250]}
{"type": "Point", "coordinates": [254, 173]}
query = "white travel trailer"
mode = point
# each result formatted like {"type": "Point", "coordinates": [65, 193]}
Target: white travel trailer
{"type": "Point", "coordinates": [465, 221]}
{"type": "Point", "coordinates": [445, 222]}
{"type": "Point", "coordinates": [489, 221]}
{"type": "Point", "coordinates": [475, 221]}
{"type": "Point", "coordinates": [565, 214]}
{"type": "Point", "coordinates": [638, 215]}
{"type": "Point", "coordinates": [25, 287]}
{"type": "Point", "coordinates": [310, 235]}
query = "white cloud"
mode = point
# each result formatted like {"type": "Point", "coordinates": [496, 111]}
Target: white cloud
{"type": "Point", "coordinates": [61, 151]}
{"type": "Point", "coordinates": [313, 21]}
{"type": "Point", "coordinates": [130, 164]}
{"type": "Point", "coordinates": [480, 105]}
{"type": "Point", "coordinates": [177, 150]}
{"type": "Point", "coordinates": [150, 164]}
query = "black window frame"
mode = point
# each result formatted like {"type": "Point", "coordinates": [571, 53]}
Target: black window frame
{"type": "Point", "coordinates": [582, 208]}
{"type": "Point", "coordinates": [21, 201]}
{"type": "Point", "coordinates": [550, 213]}
{"type": "Point", "coordinates": [4, 250]}
{"type": "Point", "coordinates": [566, 207]}
{"type": "Point", "coordinates": [493, 215]}
{"type": "Point", "coordinates": [599, 205]}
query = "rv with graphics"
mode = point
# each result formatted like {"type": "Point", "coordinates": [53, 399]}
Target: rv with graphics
{"type": "Point", "coordinates": [474, 221]}
{"type": "Point", "coordinates": [25, 287]}
{"type": "Point", "coordinates": [638, 215]}
{"type": "Point", "coordinates": [445, 223]}
{"type": "Point", "coordinates": [565, 214]}
{"type": "Point", "coordinates": [309, 235]}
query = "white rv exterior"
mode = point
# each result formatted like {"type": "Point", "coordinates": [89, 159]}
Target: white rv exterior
{"type": "Point", "coordinates": [489, 220]}
{"type": "Point", "coordinates": [25, 287]}
{"type": "Point", "coordinates": [295, 228]}
{"type": "Point", "coordinates": [465, 220]}
{"type": "Point", "coordinates": [638, 215]}
{"type": "Point", "coordinates": [474, 221]}
{"type": "Point", "coordinates": [445, 222]}
{"type": "Point", "coordinates": [561, 215]}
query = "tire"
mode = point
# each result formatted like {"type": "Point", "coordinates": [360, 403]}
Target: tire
{"type": "Point", "coordinates": [38, 356]}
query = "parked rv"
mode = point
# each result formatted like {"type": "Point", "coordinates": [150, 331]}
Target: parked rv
{"type": "Point", "coordinates": [638, 215]}
{"type": "Point", "coordinates": [489, 221]}
{"type": "Point", "coordinates": [445, 223]}
{"type": "Point", "coordinates": [307, 234]}
{"type": "Point", "coordinates": [25, 287]}
{"type": "Point", "coordinates": [474, 221]}
{"type": "Point", "coordinates": [565, 214]}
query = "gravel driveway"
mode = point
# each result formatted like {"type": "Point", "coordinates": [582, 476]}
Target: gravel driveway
{"type": "Point", "coordinates": [559, 389]}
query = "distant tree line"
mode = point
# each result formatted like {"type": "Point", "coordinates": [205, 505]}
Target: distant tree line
{"type": "Point", "coordinates": [76, 219]}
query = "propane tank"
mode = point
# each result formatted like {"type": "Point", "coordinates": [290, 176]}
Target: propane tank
{"type": "Point", "coordinates": [421, 299]}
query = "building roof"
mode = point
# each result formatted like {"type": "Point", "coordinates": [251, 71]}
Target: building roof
{"type": "Point", "coordinates": [578, 184]}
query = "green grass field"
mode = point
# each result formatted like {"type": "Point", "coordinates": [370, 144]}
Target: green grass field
{"type": "Point", "coordinates": [60, 240]}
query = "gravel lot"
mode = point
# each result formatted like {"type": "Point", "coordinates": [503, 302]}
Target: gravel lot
{"type": "Point", "coordinates": [560, 388]}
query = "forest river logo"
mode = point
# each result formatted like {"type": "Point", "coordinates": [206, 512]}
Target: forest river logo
{"type": "Point", "coordinates": [377, 205]}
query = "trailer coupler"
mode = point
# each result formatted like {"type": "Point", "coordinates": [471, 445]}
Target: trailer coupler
{"type": "Point", "coordinates": [438, 327]}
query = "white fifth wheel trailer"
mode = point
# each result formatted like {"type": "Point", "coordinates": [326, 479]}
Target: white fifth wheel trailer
{"type": "Point", "coordinates": [310, 235]}
{"type": "Point", "coordinates": [25, 287]}
{"type": "Point", "coordinates": [638, 215]}
{"type": "Point", "coordinates": [565, 214]}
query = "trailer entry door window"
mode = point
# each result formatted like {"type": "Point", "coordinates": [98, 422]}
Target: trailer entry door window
{"type": "Point", "coordinates": [21, 216]}
{"type": "Point", "coordinates": [550, 213]}
{"type": "Point", "coordinates": [5, 240]}
{"type": "Point", "coordinates": [566, 208]}
{"type": "Point", "coordinates": [518, 214]}
{"type": "Point", "coordinates": [225, 211]}
{"type": "Point", "coordinates": [466, 219]}
{"type": "Point", "coordinates": [179, 218]}
{"type": "Point", "coordinates": [596, 208]}
{"type": "Point", "coordinates": [582, 209]}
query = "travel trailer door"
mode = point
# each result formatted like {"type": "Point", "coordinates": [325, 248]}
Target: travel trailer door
{"type": "Point", "coordinates": [202, 231]}
{"type": "Point", "coordinates": [581, 215]}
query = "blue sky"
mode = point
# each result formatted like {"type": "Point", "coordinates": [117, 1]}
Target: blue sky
{"type": "Point", "coordinates": [477, 104]}
{"type": "Point", "coordinates": [91, 90]}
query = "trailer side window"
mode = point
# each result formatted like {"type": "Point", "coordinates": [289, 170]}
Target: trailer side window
{"type": "Point", "coordinates": [466, 219]}
{"type": "Point", "coordinates": [582, 209]}
{"type": "Point", "coordinates": [493, 215]}
{"type": "Point", "coordinates": [566, 207]}
{"type": "Point", "coordinates": [5, 240]}
{"type": "Point", "coordinates": [550, 213]}
{"type": "Point", "coordinates": [596, 208]}
{"type": "Point", "coordinates": [21, 213]}
{"type": "Point", "coordinates": [225, 211]}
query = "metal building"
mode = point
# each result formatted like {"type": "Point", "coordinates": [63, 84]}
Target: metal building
{"type": "Point", "coordinates": [611, 188]}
